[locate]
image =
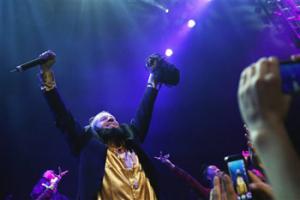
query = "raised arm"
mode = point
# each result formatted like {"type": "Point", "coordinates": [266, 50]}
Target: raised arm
{"type": "Point", "coordinates": [161, 72]}
{"type": "Point", "coordinates": [264, 107]}
{"type": "Point", "coordinates": [184, 176]}
{"type": "Point", "coordinates": [64, 120]}
{"type": "Point", "coordinates": [143, 115]}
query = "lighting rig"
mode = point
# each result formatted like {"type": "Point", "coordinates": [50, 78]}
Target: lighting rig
{"type": "Point", "coordinates": [283, 14]}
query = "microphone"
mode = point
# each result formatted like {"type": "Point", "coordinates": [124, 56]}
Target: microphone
{"type": "Point", "coordinates": [43, 58]}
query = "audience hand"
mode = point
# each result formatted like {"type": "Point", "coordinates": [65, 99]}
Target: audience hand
{"type": "Point", "coordinates": [264, 107]}
{"type": "Point", "coordinates": [261, 189]}
{"type": "Point", "coordinates": [262, 104]}
{"type": "Point", "coordinates": [223, 189]}
{"type": "Point", "coordinates": [165, 159]}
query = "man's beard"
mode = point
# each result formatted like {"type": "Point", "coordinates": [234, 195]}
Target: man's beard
{"type": "Point", "coordinates": [116, 135]}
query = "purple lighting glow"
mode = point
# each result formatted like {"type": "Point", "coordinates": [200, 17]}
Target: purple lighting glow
{"type": "Point", "coordinates": [169, 52]}
{"type": "Point", "coordinates": [191, 23]}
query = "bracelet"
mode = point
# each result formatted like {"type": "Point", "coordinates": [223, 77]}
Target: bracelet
{"type": "Point", "coordinates": [154, 86]}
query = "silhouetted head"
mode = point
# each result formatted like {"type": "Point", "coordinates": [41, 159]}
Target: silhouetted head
{"type": "Point", "coordinates": [210, 172]}
{"type": "Point", "coordinates": [49, 174]}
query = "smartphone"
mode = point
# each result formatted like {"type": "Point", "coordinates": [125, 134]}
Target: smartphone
{"type": "Point", "coordinates": [238, 172]}
{"type": "Point", "coordinates": [290, 76]}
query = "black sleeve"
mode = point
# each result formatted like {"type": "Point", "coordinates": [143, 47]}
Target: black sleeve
{"type": "Point", "coordinates": [142, 119]}
{"type": "Point", "coordinates": [73, 131]}
{"type": "Point", "coordinates": [192, 182]}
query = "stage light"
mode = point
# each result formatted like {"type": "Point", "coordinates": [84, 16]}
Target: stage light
{"type": "Point", "coordinates": [191, 23]}
{"type": "Point", "coordinates": [169, 52]}
{"type": "Point", "coordinates": [167, 10]}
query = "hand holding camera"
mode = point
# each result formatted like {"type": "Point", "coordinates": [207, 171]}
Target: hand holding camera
{"type": "Point", "coordinates": [161, 71]}
{"type": "Point", "coordinates": [262, 103]}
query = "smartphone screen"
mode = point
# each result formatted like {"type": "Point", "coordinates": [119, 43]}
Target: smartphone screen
{"type": "Point", "coordinates": [290, 76]}
{"type": "Point", "coordinates": [238, 172]}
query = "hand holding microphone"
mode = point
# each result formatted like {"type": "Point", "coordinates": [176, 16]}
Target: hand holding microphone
{"type": "Point", "coordinates": [46, 60]}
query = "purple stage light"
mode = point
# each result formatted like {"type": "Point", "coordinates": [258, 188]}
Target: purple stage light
{"type": "Point", "coordinates": [169, 52]}
{"type": "Point", "coordinates": [191, 23]}
{"type": "Point", "coordinates": [167, 10]}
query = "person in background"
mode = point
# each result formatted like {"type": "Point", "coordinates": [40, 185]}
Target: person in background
{"type": "Point", "coordinates": [209, 173]}
{"type": "Point", "coordinates": [46, 188]}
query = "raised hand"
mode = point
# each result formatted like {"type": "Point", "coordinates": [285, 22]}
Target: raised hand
{"type": "Point", "coordinates": [262, 103]}
{"type": "Point", "coordinates": [164, 159]}
{"type": "Point", "coordinates": [162, 71]}
{"type": "Point", "coordinates": [50, 57]}
{"type": "Point", "coordinates": [223, 189]}
{"type": "Point", "coordinates": [260, 188]}
{"type": "Point", "coordinates": [60, 173]}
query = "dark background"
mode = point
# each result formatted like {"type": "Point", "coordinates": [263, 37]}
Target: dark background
{"type": "Point", "coordinates": [101, 47]}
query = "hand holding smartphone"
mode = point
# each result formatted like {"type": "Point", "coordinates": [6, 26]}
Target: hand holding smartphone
{"type": "Point", "coordinates": [238, 172]}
